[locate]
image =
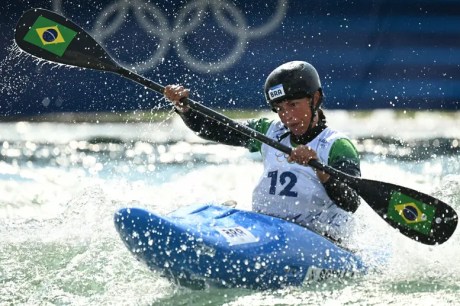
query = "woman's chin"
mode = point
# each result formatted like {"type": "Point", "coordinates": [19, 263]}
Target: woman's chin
{"type": "Point", "coordinates": [297, 131]}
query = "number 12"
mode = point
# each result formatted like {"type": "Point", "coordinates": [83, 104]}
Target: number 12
{"type": "Point", "coordinates": [288, 178]}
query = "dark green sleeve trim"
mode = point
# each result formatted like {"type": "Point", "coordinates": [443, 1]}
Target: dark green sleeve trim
{"type": "Point", "coordinates": [343, 156]}
{"type": "Point", "coordinates": [343, 150]}
{"type": "Point", "coordinates": [260, 125]}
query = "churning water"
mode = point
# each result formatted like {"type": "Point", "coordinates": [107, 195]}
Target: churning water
{"type": "Point", "coordinates": [60, 185]}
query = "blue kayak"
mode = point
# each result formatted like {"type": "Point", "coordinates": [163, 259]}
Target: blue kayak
{"type": "Point", "coordinates": [214, 245]}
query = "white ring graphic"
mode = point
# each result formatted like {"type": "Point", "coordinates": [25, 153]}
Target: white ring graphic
{"type": "Point", "coordinates": [190, 16]}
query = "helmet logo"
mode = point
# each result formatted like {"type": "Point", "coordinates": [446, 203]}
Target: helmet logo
{"type": "Point", "coordinates": [276, 92]}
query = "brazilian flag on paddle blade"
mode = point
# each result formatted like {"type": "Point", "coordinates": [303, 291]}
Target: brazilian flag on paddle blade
{"type": "Point", "coordinates": [411, 213]}
{"type": "Point", "coordinates": [50, 35]}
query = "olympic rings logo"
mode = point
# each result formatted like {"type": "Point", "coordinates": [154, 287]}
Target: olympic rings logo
{"type": "Point", "coordinates": [281, 157]}
{"type": "Point", "coordinates": [190, 16]}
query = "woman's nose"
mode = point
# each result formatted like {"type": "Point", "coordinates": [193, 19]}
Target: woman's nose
{"type": "Point", "coordinates": [286, 114]}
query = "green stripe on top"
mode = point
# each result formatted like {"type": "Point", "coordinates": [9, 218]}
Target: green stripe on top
{"type": "Point", "coordinates": [342, 149]}
{"type": "Point", "coordinates": [50, 36]}
{"type": "Point", "coordinates": [260, 125]}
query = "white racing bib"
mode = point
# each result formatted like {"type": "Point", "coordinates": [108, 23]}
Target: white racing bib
{"type": "Point", "coordinates": [293, 192]}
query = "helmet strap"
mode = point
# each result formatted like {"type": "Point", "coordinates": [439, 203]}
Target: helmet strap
{"type": "Point", "coordinates": [312, 119]}
{"type": "Point", "coordinates": [314, 111]}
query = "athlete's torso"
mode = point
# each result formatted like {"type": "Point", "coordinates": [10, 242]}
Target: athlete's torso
{"type": "Point", "coordinates": [292, 191]}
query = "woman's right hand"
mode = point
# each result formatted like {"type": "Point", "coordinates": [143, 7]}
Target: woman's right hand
{"type": "Point", "coordinates": [176, 94]}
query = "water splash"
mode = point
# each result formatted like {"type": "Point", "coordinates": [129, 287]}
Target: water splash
{"type": "Point", "coordinates": [17, 81]}
{"type": "Point", "coordinates": [13, 84]}
{"type": "Point", "coordinates": [56, 222]}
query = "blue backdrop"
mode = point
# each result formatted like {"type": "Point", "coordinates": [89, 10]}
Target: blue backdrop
{"type": "Point", "coordinates": [370, 54]}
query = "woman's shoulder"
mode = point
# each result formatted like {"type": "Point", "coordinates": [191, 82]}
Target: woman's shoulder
{"type": "Point", "coordinates": [332, 134]}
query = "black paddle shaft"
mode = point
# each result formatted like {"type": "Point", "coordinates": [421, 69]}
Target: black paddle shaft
{"type": "Point", "coordinates": [377, 194]}
{"type": "Point", "coordinates": [243, 129]}
{"type": "Point", "coordinates": [417, 215]}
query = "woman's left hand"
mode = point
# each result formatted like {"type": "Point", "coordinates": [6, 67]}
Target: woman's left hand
{"type": "Point", "coordinates": [302, 155]}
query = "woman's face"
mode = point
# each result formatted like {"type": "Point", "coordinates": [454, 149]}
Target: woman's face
{"type": "Point", "coordinates": [295, 114]}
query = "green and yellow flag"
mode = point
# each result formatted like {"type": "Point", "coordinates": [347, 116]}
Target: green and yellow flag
{"type": "Point", "coordinates": [50, 35]}
{"type": "Point", "coordinates": [413, 214]}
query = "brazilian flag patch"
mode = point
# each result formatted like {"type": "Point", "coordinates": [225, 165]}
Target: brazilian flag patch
{"type": "Point", "coordinates": [411, 213]}
{"type": "Point", "coordinates": [50, 35]}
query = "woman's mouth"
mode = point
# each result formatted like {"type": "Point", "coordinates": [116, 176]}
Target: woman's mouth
{"type": "Point", "coordinates": [293, 125]}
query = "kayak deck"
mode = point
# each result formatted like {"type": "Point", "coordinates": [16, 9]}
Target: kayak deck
{"type": "Point", "coordinates": [202, 245]}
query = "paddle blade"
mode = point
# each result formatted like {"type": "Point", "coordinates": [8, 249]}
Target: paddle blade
{"type": "Point", "coordinates": [417, 215]}
{"type": "Point", "coordinates": [52, 37]}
